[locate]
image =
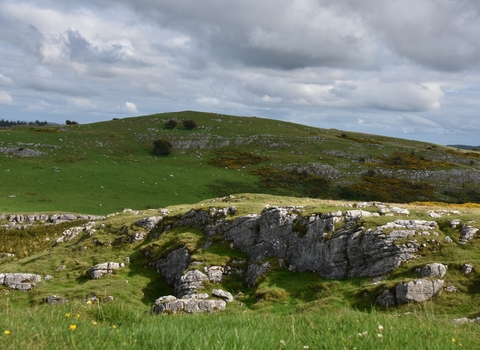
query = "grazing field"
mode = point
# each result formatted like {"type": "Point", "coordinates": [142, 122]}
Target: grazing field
{"type": "Point", "coordinates": [105, 167]}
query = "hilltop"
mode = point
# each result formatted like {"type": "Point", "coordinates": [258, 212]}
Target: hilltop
{"type": "Point", "coordinates": [104, 167]}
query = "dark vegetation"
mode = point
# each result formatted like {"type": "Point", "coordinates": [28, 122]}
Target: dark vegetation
{"type": "Point", "coordinates": [411, 161]}
{"type": "Point", "coordinates": [162, 147]}
{"type": "Point", "coordinates": [6, 123]}
{"type": "Point", "coordinates": [171, 124]}
{"type": "Point", "coordinates": [189, 124]}
{"type": "Point", "coordinates": [236, 159]}
{"type": "Point", "coordinates": [293, 183]}
{"type": "Point", "coordinates": [387, 189]}
{"type": "Point", "coordinates": [71, 122]}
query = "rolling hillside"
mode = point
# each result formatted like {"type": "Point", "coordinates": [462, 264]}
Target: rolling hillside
{"type": "Point", "coordinates": [105, 167]}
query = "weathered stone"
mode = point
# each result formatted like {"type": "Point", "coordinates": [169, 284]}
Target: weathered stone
{"type": "Point", "coordinates": [417, 291]}
{"type": "Point", "coordinates": [401, 211]}
{"type": "Point", "coordinates": [61, 267]}
{"type": "Point", "coordinates": [467, 268]}
{"type": "Point", "coordinates": [348, 252]}
{"type": "Point", "coordinates": [173, 265]}
{"type": "Point", "coordinates": [137, 237]}
{"type": "Point", "coordinates": [434, 270]}
{"type": "Point", "coordinates": [254, 271]}
{"type": "Point", "coordinates": [228, 297]}
{"type": "Point", "coordinates": [189, 283]}
{"type": "Point", "coordinates": [214, 273]}
{"type": "Point", "coordinates": [451, 289]}
{"type": "Point", "coordinates": [20, 281]}
{"type": "Point", "coordinates": [56, 300]}
{"type": "Point", "coordinates": [100, 270]}
{"type": "Point", "coordinates": [448, 239]}
{"type": "Point", "coordinates": [386, 299]}
{"type": "Point", "coordinates": [468, 232]}
{"type": "Point", "coordinates": [149, 222]}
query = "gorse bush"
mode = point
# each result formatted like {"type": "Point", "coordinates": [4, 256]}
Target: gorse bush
{"type": "Point", "coordinates": [162, 147]}
{"type": "Point", "coordinates": [387, 189]}
{"type": "Point", "coordinates": [233, 159]}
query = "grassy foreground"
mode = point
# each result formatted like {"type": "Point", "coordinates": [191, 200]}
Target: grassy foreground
{"type": "Point", "coordinates": [116, 327]}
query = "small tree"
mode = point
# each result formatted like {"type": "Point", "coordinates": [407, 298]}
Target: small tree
{"type": "Point", "coordinates": [162, 147]}
{"type": "Point", "coordinates": [171, 124]}
{"type": "Point", "coordinates": [189, 124]}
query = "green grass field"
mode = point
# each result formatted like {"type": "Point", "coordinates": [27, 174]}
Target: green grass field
{"type": "Point", "coordinates": [105, 167]}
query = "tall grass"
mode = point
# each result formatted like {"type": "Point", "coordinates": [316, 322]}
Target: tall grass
{"type": "Point", "coordinates": [117, 326]}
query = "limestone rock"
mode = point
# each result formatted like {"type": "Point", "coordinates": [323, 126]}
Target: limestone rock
{"type": "Point", "coordinates": [189, 283]}
{"type": "Point", "coordinates": [215, 273]}
{"type": "Point", "coordinates": [171, 305]}
{"type": "Point", "coordinates": [100, 270]}
{"type": "Point", "coordinates": [173, 265]}
{"type": "Point", "coordinates": [467, 268]}
{"type": "Point", "coordinates": [56, 300]}
{"type": "Point", "coordinates": [467, 234]}
{"type": "Point", "coordinates": [347, 252]}
{"type": "Point", "coordinates": [254, 271]}
{"type": "Point", "coordinates": [417, 291]}
{"type": "Point", "coordinates": [20, 281]}
{"type": "Point", "coordinates": [228, 297]}
{"type": "Point", "coordinates": [434, 270]}
{"type": "Point", "coordinates": [149, 222]}
{"type": "Point", "coordinates": [386, 299]}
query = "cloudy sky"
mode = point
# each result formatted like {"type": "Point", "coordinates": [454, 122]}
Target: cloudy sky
{"type": "Point", "coordinates": [405, 68]}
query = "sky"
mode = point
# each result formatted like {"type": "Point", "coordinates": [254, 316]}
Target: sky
{"type": "Point", "coordinates": [402, 68]}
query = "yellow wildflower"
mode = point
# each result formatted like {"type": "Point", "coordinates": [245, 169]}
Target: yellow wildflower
{"type": "Point", "coordinates": [95, 323]}
{"type": "Point", "coordinates": [68, 315]}
{"type": "Point", "coordinates": [7, 332]}
{"type": "Point", "coordinates": [73, 327]}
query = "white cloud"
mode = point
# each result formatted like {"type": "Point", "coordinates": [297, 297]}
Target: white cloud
{"type": "Point", "coordinates": [5, 80]}
{"type": "Point", "coordinates": [209, 101]}
{"type": "Point", "coordinates": [130, 107]}
{"type": "Point", "coordinates": [5, 98]}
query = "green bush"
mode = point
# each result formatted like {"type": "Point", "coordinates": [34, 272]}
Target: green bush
{"type": "Point", "coordinates": [162, 148]}
{"type": "Point", "coordinates": [189, 124]}
{"type": "Point", "coordinates": [171, 124]}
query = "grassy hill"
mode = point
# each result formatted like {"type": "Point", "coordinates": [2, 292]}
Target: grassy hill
{"type": "Point", "coordinates": [104, 167]}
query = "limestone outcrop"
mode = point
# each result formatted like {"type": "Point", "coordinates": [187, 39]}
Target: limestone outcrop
{"type": "Point", "coordinates": [20, 281]}
{"type": "Point", "coordinates": [100, 270]}
{"type": "Point", "coordinates": [417, 290]}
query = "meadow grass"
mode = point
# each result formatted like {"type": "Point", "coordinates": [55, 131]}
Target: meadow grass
{"type": "Point", "coordinates": [118, 326]}
{"type": "Point", "coordinates": [104, 167]}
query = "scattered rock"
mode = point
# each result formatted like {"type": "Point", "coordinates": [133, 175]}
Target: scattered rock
{"type": "Point", "coordinates": [467, 234]}
{"type": "Point", "coordinates": [434, 270]}
{"type": "Point", "coordinates": [20, 281]}
{"type": "Point", "coordinates": [223, 295]}
{"type": "Point", "coordinates": [254, 271]}
{"type": "Point", "coordinates": [417, 291]}
{"type": "Point", "coordinates": [448, 239]}
{"type": "Point", "coordinates": [451, 289]}
{"type": "Point", "coordinates": [100, 270]}
{"type": "Point", "coordinates": [56, 300]}
{"type": "Point", "coordinates": [467, 268]}
{"type": "Point", "coordinates": [61, 267]}
{"type": "Point", "coordinates": [149, 222]}
{"type": "Point", "coordinates": [48, 278]}
{"type": "Point", "coordinates": [190, 283]}
{"type": "Point", "coordinates": [173, 265]}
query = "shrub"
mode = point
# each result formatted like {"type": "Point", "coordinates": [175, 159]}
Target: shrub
{"type": "Point", "coordinates": [162, 147]}
{"type": "Point", "coordinates": [171, 124]}
{"type": "Point", "coordinates": [189, 124]}
{"type": "Point", "coordinates": [70, 122]}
